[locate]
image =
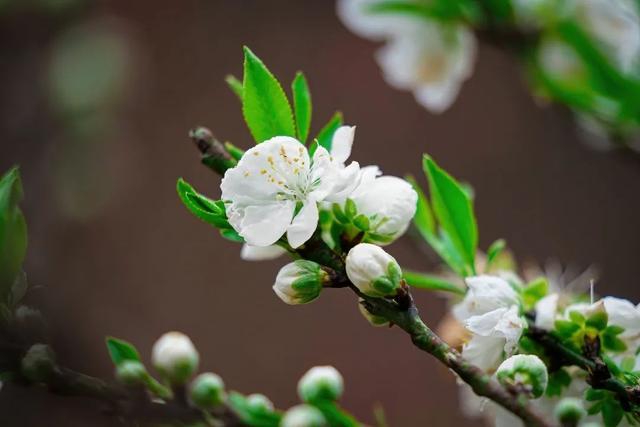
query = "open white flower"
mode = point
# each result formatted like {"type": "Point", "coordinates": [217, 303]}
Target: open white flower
{"type": "Point", "coordinates": [623, 313]}
{"type": "Point", "coordinates": [490, 311]}
{"type": "Point", "coordinates": [426, 57]}
{"type": "Point", "coordinates": [275, 189]}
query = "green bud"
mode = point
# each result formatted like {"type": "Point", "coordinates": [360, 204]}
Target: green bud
{"type": "Point", "coordinates": [569, 411]}
{"type": "Point", "coordinates": [39, 363]}
{"type": "Point", "coordinates": [371, 318]}
{"type": "Point", "coordinates": [131, 372]}
{"type": "Point", "coordinates": [300, 282]}
{"type": "Point", "coordinates": [207, 390]}
{"type": "Point", "coordinates": [259, 403]}
{"type": "Point", "coordinates": [175, 357]}
{"type": "Point", "coordinates": [320, 383]}
{"type": "Point", "coordinates": [303, 416]}
{"type": "Point", "coordinates": [526, 371]}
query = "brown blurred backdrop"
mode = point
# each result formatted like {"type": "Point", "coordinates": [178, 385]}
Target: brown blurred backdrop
{"type": "Point", "coordinates": [115, 253]}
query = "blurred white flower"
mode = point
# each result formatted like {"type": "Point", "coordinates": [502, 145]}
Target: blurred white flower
{"type": "Point", "coordinates": [303, 416]}
{"type": "Point", "coordinates": [615, 25]}
{"type": "Point", "coordinates": [388, 201]}
{"type": "Point", "coordinates": [373, 271]}
{"type": "Point", "coordinates": [623, 313]}
{"type": "Point", "coordinates": [320, 383]}
{"type": "Point", "coordinates": [275, 189]}
{"type": "Point", "coordinates": [490, 311]}
{"type": "Point", "coordinates": [426, 57]}
{"type": "Point", "coordinates": [175, 357]}
{"type": "Point", "coordinates": [261, 253]}
{"type": "Point", "coordinates": [546, 310]}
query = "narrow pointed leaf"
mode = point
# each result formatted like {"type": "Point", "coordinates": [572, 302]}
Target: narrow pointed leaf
{"type": "Point", "coordinates": [301, 105]}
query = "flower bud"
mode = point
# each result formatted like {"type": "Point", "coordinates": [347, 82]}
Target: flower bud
{"type": "Point", "coordinates": [569, 411]}
{"type": "Point", "coordinates": [207, 390]}
{"type": "Point", "coordinates": [39, 363]}
{"type": "Point", "coordinates": [320, 383]}
{"type": "Point", "coordinates": [526, 371]}
{"type": "Point", "coordinates": [259, 403]}
{"type": "Point", "coordinates": [372, 318]}
{"type": "Point", "coordinates": [175, 357]}
{"type": "Point", "coordinates": [303, 416]}
{"type": "Point", "coordinates": [131, 372]}
{"type": "Point", "coordinates": [390, 203]}
{"type": "Point", "coordinates": [373, 271]}
{"type": "Point", "coordinates": [300, 282]}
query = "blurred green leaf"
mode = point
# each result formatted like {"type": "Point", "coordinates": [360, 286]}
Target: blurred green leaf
{"type": "Point", "coordinates": [566, 328]}
{"type": "Point", "coordinates": [265, 106]}
{"type": "Point", "coordinates": [454, 211]}
{"type": "Point", "coordinates": [325, 136]}
{"type": "Point", "coordinates": [336, 416]}
{"type": "Point", "coordinates": [534, 291]}
{"type": "Point", "coordinates": [251, 416]}
{"type": "Point", "coordinates": [495, 250]}
{"type": "Point", "coordinates": [612, 413]}
{"type": "Point", "coordinates": [120, 351]}
{"type": "Point", "coordinates": [557, 381]}
{"type": "Point", "coordinates": [235, 85]}
{"type": "Point", "coordinates": [301, 105]}
{"type": "Point", "coordinates": [431, 282]}
{"type": "Point", "coordinates": [440, 10]}
{"type": "Point", "coordinates": [598, 320]}
{"type": "Point", "coordinates": [13, 231]}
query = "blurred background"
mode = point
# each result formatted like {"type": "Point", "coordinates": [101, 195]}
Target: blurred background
{"type": "Point", "coordinates": [96, 101]}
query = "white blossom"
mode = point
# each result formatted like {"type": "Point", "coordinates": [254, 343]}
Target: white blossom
{"type": "Point", "coordinates": [389, 202]}
{"type": "Point", "coordinates": [623, 313]}
{"type": "Point", "coordinates": [426, 57]}
{"type": "Point", "coordinates": [372, 270]}
{"type": "Point", "coordinates": [275, 189]}
{"type": "Point", "coordinates": [175, 356]}
{"type": "Point", "coordinates": [261, 253]}
{"type": "Point", "coordinates": [303, 416]}
{"type": "Point", "coordinates": [490, 311]}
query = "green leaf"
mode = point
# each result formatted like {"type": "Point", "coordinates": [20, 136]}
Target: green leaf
{"type": "Point", "coordinates": [614, 330]}
{"type": "Point", "coordinates": [13, 231]}
{"type": "Point", "coordinates": [611, 413]}
{"type": "Point", "coordinates": [362, 222]}
{"type": "Point", "coordinates": [339, 214]}
{"type": "Point", "coordinates": [265, 106]}
{"type": "Point", "coordinates": [231, 234]}
{"type": "Point", "coordinates": [120, 351]}
{"type": "Point", "coordinates": [335, 415]}
{"type": "Point", "coordinates": [251, 416]}
{"type": "Point", "coordinates": [592, 394]}
{"type": "Point", "coordinates": [301, 105]}
{"type": "Point", "coordinates": [613, 343]}
{"type": "Point", "coordinates": [350, 209]}
{"type": "Point", "coordinates": [598, 320]}
{"type": "Point", "coordinates": [628, 363]}
{"type": "Point", "coordinates": [566, 328]}
{"type": "Point", "coordinates": [557, 381]}
{"type": "Point", "coordinates": [325, 137]}
{"type": "Point", "coordinates": [454, 211]}
{"type": "Point", "coordinates": [431, 282]}
{"type": "Point", "coordinates": [534, 291]}
{"type": "Point", "coordinates": [495, 249]}
{"type": "Point", "coordinates": [235, 85]}
{"type": "Point", "coordinates": [202, 207]}
{"type": "Point", "coordinates": [577, 317]}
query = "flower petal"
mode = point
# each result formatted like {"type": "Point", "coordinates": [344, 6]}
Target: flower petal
{"type": "Point", "coordinates": [264, 225]}
{"type": "Point", "coordinates": [484, 352]}
{"type": "Point", "coordinates": [261, 253]}
{"type": "Point", "coordinates": [303, 225]}
{"type": "Point", "coordinates": [546, 310]}
{"type": "Point", "coordinates": [342, 142]}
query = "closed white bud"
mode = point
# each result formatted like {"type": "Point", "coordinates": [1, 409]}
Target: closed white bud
{"type": "Point", "coordinates": [372, 318]}
{"type": "Point", "coordinates": [373, 271]}
{"type": "Point", "coordinates": [569, 411]}
{"type": "Point", "coordinates": [259, 403]}
{"type": "Point", "coordinates": [320, 383]}
{"type": "Point", "coordinates": [561, 62]}
{"type": "Point", "coordinates": [390, 203]}
{"type": "Point", "coordinates": [207, 390]}
{"type": "Point", "coordinates": [525, 371]}
{"type": "Point", "coordinates": [300, 282]}
{"type": "Point", "coordinates": [303, 416]}
{"type": "Point", "coordinates": [175, 357]}
{"type": "Point", "coordinates": [131, 372]}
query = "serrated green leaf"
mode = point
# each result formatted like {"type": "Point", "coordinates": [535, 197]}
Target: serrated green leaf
{"type": "Point", "coordinates": [265, 106]}
{"type": "Point", "coordinates": [120, 351]}
{"type": "Point", "coordinates": [454, 211]}
{"type": "Point", "coordinates": [431, 282]}
{"type": "Point", "coordinates": [301, 105]}
{"type": "Point", "coordinates": [235, 85]}
{"type": "Point", "coordinates": [325, 136]}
